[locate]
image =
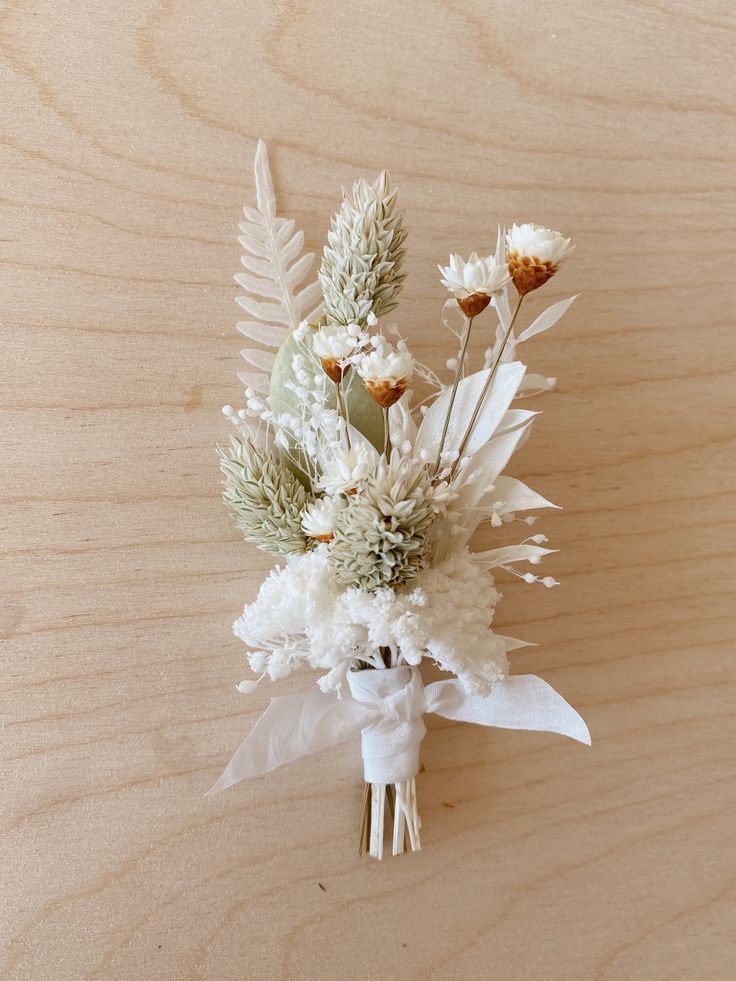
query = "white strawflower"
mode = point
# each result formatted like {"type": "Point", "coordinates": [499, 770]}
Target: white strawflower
{"type": "Point", "coordinates": [472, 283]}
{"type": "Point", "coordinates": [386, 372]}
{"type": "Point", "coordinates": [334, 345]}
{"type": "Point", "coordinates": [534, 254]}
{"type": "Point", "coordinates": [348, 468]}
{"type": "Point", "coordinates": [320, 517]}
{"type": "Point", "coordinates": [335, 342]}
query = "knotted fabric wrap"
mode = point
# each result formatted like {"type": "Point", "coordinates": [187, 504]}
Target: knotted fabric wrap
{"type": "Point", "coordinates": [386, 707]}
{"type": "Point", "coordinates": [390, 744]}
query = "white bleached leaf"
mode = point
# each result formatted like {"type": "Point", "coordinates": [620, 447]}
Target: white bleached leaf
{"type": "Point", "coordinates": [495, 557]}
{"type": "Point", "coordinates": [468, 508]}
{"type": "Point", "coordinates": [500, 303]}
{"type": "Point", "coordinates": [515, 418]}
{"type": "Point", "coordinates": [513, 643]}
{"type": "Point", "coordinates": [547, 319]}
{"type": "Point", "coordinates": [485, 466]}
{"type": "Point", "coordinates": [534, 383]}
{"type": "Point", "coordinates": [503, 389]}
{"type": "Point", "coordinates": [516, 496]}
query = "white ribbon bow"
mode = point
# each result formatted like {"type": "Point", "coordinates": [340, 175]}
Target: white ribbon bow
{"type": "Point", "coordinates": [386, 707]}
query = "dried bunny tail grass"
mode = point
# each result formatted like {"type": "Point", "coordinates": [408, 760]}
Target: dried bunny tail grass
{"type": "Point", "coordinates": [265, 498]}
{"type": "Point", "coordinates": [360, 271]}
{"type": "Point", "coordinates": [381, 536]}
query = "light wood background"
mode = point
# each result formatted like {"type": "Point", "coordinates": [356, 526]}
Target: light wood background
{"type": "Point", "coordinates": [128, 131]}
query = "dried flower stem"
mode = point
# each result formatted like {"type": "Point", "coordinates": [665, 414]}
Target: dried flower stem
{"type": "Point", "coordinates": [458, 375]}
{"type": "Point", "coordinates": [386, 434]}
{"type": "Point", "coordinates": [342, 411]}
{"type": "Point", "coordinates": [487, 385]}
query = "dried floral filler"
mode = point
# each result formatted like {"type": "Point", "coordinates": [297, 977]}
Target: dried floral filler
{"type": "Point", "coordinates": [371, 499]}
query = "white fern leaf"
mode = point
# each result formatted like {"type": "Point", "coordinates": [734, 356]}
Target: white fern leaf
{"type": "Point", "coordinates": [269, 334]}
{"type": "Point", "coordinates": [256, 380]}
{"type": "Point", "coordinates": [258, 358]}
{"type": "Point", "coordinates": [274, 294]}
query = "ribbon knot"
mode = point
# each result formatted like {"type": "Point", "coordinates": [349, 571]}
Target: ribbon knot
{"type": "Point", "coordinates": [391, 743]}
{"type": "Point", "coordinates": [386, 707]}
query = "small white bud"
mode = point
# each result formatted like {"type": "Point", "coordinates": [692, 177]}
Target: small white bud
{"type": "Point", "coordinates": [371, 319]}
{"type": "Point", "coordinates": [539, 539]}
{"type": "Point", "coordinates": [247, 686]}
{"type": "Point", "coordinates": [529, 577]}
{"type": "Point", "coordinates": [549, 582]}
{"type": "Point", "coordinates": [228, 410]}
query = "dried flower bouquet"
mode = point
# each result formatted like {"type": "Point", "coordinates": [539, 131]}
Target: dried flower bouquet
{"type": "Point", "coordinates": [373, 499]}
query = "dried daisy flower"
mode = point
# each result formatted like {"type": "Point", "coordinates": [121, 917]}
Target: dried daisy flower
{"type": "Point", "coordinates": [381, 536]}
{"type": "Point", "coordinates": [386, 372]}
{"type": "Point", "coordinates": [347, 468]}
{"type": "Point", "coordinates": [320, 517]}
{"type": "Point", "coordinates": [472, 283]}
{"type": "Point", "coordinates": [335, 345]}
{"type": "Point", "coordinates": [265, 498]}
{"type": "Point", "coordinates": [534, 255]}
{"type": "Point", "coordinates": [360, 271]}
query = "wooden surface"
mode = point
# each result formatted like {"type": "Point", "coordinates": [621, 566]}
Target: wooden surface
{"type": "Point", "coordinates": [128, 131]}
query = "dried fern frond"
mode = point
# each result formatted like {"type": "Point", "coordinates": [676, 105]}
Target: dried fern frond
{"type": "Point", "coordinates": [265, 498]}
{"type": "Point", "coordinates": [274, 271]}
{"type": "Point", "coordinates": [361, 263]}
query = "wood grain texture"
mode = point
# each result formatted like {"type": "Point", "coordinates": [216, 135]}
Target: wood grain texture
{"type": "Point", "coordinates": [128, 133]}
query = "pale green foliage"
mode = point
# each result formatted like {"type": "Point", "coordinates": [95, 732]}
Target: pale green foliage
{"type": "Point", "coordinates": [265, 498]}
{"type": "Point", "coordinates": [381, 537]}
{"type": "Point", "coordinates": [360, 271]}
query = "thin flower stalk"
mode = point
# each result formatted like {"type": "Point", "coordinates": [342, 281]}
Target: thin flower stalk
{"type": "Point", "coordinates": [487, 385]}
{"type": "Point", "coordinates": [342, 411]}
{"type": "Point", "coordinates": [453, 395]}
